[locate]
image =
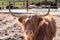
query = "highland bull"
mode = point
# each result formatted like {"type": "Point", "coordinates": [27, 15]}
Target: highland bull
{"type": "Point", "coordinates": [37, 27]}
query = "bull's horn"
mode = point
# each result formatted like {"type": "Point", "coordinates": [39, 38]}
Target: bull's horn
{"type": "Point", "coordinates": [11, 12]}
{"type": "Point", "coordinates": [48, 11]}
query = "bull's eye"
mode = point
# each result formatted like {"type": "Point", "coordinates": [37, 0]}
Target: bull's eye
{"type": "Point", "coordinates": [30, 32]}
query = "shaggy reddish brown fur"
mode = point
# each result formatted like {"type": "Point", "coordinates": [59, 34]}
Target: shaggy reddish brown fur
{"type": "Point", "coordinates": [38, 28]}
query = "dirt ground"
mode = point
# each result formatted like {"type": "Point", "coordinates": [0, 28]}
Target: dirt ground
{"type": "Point", "coordinates": [57, 18]}
{"type": "Point", "coordinates": [10, 30]}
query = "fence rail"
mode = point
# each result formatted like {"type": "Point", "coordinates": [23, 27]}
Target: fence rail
{"type": "Point", "coordinates": [37, 11]}
{"type": "Point", "coordinates": [29, 10]}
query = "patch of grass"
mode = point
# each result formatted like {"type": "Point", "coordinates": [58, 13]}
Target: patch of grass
{"type": "Point", "coordinates": [58, 4]}
{"type": "Point", "coordinates": [17, 4]}
{"type": "Point", "coordinates": [6, 3]}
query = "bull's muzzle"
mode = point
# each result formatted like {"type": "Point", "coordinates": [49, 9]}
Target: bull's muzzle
{"type": "Point", "coordinates": [29, 32]}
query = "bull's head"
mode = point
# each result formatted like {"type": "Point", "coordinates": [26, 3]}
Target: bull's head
{"type": "Point", "coordinates": [31, 22]}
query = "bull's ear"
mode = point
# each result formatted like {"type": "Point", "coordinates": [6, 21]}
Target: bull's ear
{"type": "Point", "coordinates": [26, 20]}
{"type": "Point", "coordinates": [20, 20]}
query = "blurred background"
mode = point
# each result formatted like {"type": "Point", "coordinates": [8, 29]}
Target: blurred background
{"type": "Point", "coordinates": [17, 4]}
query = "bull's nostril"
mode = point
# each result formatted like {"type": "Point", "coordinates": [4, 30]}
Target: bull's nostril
{"type": "Point", "coordinates": [29, 32]}
{"type": "Point", "coordinates": [26, 32]}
